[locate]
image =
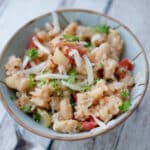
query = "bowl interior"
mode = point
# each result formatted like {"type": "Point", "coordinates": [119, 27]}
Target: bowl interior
{"type": "Point", "coordinates": [18, 43]}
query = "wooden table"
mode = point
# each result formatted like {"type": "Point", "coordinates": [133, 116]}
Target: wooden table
{"type": "Point", "coordinates": [135, 132]}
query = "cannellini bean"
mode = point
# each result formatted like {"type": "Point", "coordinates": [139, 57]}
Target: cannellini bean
{"type": "Point", "coordinates": [39, 102]}
{"type": "Point", "coordinates": [71, 28]}
{"type": "Point", "coordinates": [60, 59]}
{"type": "Point", "coordinates": [42, 35]}
{"type": "Point", "coordinates": [17, 82]}
{"type": "Point", "coordinates": [65, 112]}
{"type": "Point", "coordinates": [66, 126]}
{"type": "Point", "coordinates": [103, 52]}
{"type": "Point", "coordinates": [55, 103]}
{"type": "Point", "coordinates": [84, 33]}
{"type": "Point", "coordinates": [115, 41]}
{"type": "Point", "coordinates": [13, 65]}
{"type": "Point", "coordinates": [42, 93]}
{"type": "Point", "coordinates": [45, 118]}
{"type": "Point", "coordinates": [110, 66]}
{"type": "Point", "coordinates": [97, 39]}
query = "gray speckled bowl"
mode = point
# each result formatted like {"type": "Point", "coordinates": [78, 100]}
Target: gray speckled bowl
{"type": "Point", "coordinates": [133, 50]}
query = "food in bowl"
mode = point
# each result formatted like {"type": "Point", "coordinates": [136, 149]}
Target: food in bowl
{"type": "Point", "coordinates": [72, 79]}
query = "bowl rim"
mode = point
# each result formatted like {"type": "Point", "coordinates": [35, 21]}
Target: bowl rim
{"type": "Point", "coordinates": [40, 133]}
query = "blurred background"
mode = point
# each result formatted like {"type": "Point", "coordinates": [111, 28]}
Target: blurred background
{"type": "Point", "coordinates": [134, 133]}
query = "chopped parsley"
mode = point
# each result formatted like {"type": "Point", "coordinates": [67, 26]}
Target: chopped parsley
{"type": "Point", "coordinates": [88, 45]}
{"type": "Point", "coordinates": [125, 106]}
{"type": "Point", "coordinates": [43, 82]}
{"type": "Point", "coordinates": [73, 104]}
{"type": "Point", "coordinates": [31, 81]}
{"type": "Point", "coordinates": [32, 53]}
{"type": "Point", "coordinates": [72, 76]}
{"type": "Point", "coordinates": [71, 91]}
{"type": "Point", "coordinates": [72, 38]}
{"type": "Point", "coordinates": [26, 108]}
{"type": "Point", "coordinates": [96, 80]}
{"type": "Point", "coordinates": [102, 29]}
{"type": "Point", "coordinates": [45, 71]}
{"type": "Point", "coordinates": [56, 92]}
{"type": "Point", "coordinates": [37, 118]}
{"type": "Point", "coordinates": [11, 97]}
{"type": "Point", "coordinates": [124, 93]}
{"type": "Point", "coordinates": [54, 83]}
{"type": "Point", "coordinates": [85, 88]}
{"type": "Point", "coordinates": [101, 65]}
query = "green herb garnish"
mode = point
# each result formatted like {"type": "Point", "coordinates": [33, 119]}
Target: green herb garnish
{"type": "Point", "coordinates": [101, 65]}
{"type": "Point", "coordinates": [96, 80]}
{"type": "Point", "coordinates": [72, 76]}
{"type": "Point", "coordinates": [11, 97]}
{"type": "Point", "coordinates": [102, 29]}
{"type": "Point", "coordinates": [71, 91]}
{"type": "Point", "coordinates": [88, 45]}
{"type": "Point", "coordinates": [125, 106]}
{"type": "Point", "coordinates": [54, 83]}
{"type": "Point", "coordinates": [45, 71]}
{"type": "Point", "coordinates": [56, 92]}
{"type": "Point", "coordinates": [43, 82]}
{"type": "Point", "coordinates": [32, 53]}
{"type": "Point", "coordinates": [26, 108]}
{"type": "Point", "coordinates": [73, 104]}
{"type": "Point", "coordinates": [85, 88]}
{"type": "Point", "coordinates": [124, 93]}
{"type": "Point", "coordinates": [37, 118]}
{"type": "Point", "coordinates": [31, 81]}
{"type": "Point", "coordinates": [72, 38]}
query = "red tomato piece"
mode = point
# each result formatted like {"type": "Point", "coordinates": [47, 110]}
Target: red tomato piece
{"type": "Point", "coordinates": [82, 50]}
{"type": "Point", "coordinates": [121, 72]}
{"type": "Point", "coordinates": [126, 64]}
{"type": "Point", "coordinates": [89, 124]}
{"type": "Point", "coordinates": [66, 53]}
{"type": "Point", "coordinates": [28, 65]}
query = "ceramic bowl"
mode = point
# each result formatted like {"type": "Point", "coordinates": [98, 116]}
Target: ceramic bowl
{"type": "Point", "coordinates": [133, 50]}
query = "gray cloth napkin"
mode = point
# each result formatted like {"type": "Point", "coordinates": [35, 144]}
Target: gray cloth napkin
{"type": "Point", "coordinates": [8, 139]}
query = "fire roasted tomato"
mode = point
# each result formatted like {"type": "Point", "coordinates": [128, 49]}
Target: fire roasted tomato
{"type": "Point", "coordinates": [89, 124]}
{"type": "Point", "coordinates": [28, 65]}
{"type": "Point", "coordinates": [67, 46]}
{"type": "Point", "coordinates": [126, 64]}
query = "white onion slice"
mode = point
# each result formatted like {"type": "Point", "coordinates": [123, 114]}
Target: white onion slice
{"type": "Point", "coordinates": [89, 69]}
{"type": "Point", "coordinates": [56, 24]}
{"type": "Point", "coordinates": [51, 76]}
{"type": "Point", "coordinates": [75, 54]}
{"type": "Point", "coordinates": [82, 83]}
{"type": "Point", "coordinates": [55, 21]}
{"type": "Point", "coordinates": [61, 69]}
{"type": "Point", "coordinates": [32, 64]}
{"type": "Point", "coordinates": [99, 122]}
{"type": "Point", "coordinates": [82, 42]}
{"type": "Point", "coordinates": [25, 62]}
{"type": "Point", "coordinates": [33, 70]}
{"type": "Point", "coordinates": [71, 86]}
{"type": "Point", "coordinates": [41, 47]}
